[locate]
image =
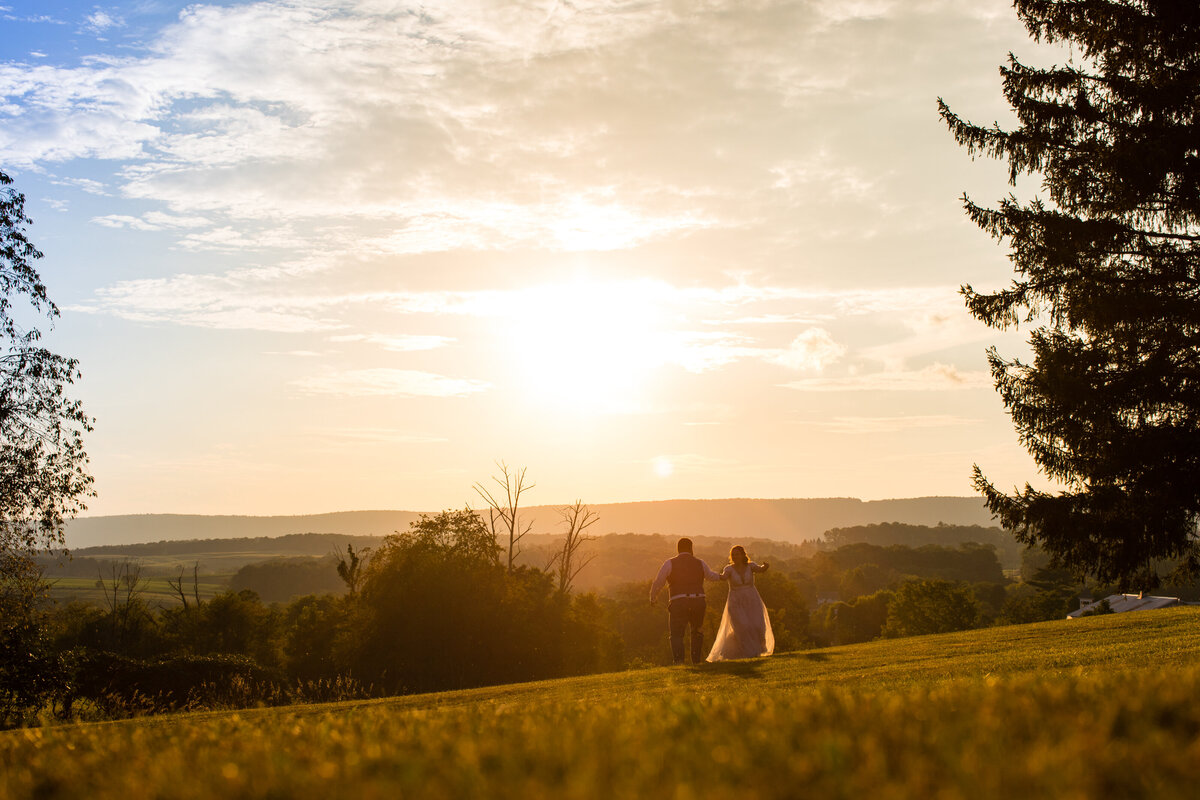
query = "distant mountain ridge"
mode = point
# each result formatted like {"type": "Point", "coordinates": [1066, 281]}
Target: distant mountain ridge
{"type": "Point", "coordinates": [789, 520]}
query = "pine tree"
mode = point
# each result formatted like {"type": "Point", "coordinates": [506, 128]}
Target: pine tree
{"type": "Point", "coordinates": [1107, 268]}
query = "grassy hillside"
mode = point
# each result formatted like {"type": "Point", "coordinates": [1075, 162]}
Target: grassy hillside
{"type": "Point", "coordinates": [1102, 707]}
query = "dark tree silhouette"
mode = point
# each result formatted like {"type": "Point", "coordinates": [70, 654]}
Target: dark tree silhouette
{"type": "Point", "coordinates": [1108, 270]}
{"type": "Point", "coordinates": [350, 568]}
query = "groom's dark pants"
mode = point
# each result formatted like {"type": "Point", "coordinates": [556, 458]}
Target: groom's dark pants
{"type": "Point", "coordinates": [687, 612]}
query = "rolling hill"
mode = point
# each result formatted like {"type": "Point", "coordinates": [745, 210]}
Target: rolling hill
{"type": "Point", "coordinates": [788, 520]}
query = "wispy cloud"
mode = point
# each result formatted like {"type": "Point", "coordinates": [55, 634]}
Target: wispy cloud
{"type": "Point", "coordinates": [384, 382]}
{"type": "Point", "coordinates": [150, 221]}
{"type": "Point", "coordinates": [354, 437]}
{"type": "Point", "coordinates": [401, 343]}
{"type": "Point", "coordinates": [934, 378]}
{"type": "Point", "coordinates": [294, 353]}
{"type": "Point", "coordinates": [877, 425]}
{"type": "Point", "coordinates": [86, 184]}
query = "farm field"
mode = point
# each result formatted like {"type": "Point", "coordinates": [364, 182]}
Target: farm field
{"type": "Point", "coordinates": [1100, 707]}
{"type": "Point", "coordinates": [155, 591]}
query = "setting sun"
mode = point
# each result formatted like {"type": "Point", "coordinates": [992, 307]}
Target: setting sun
{"type": "Point", "coordinates": [587, 347]}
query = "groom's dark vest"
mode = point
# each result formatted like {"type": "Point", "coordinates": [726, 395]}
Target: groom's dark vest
{"type": "Point", "coordinates": [687, 576]}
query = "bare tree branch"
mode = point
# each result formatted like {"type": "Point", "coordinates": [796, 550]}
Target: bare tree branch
{"type": "Point", "coordinates": [568, 563]}
{"type": "Point", "coordinates": [504, 505]}
{"type": "Point", "coordinates": [176, 585]}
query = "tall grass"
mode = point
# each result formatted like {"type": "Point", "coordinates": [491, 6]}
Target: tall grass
{"type": "Point", "coordinates": [1103, 707]}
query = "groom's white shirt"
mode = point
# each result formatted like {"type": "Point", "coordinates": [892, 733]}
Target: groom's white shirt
{"type": "Point", "coordinates": [664, 572]}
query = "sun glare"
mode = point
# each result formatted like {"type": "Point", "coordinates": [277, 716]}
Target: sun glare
{"type": "Point", "coordinates": [587, 347]}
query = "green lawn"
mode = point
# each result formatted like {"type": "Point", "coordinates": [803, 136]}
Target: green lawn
{"type": "Point", "coordinates": [1104, 707]}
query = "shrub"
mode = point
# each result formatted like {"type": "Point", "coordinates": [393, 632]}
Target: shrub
{"type": "Point", "coordinates": [120, 686]}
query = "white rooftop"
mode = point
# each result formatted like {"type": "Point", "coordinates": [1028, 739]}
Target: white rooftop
{"type": "Point", "coordinates": [1126, 602]}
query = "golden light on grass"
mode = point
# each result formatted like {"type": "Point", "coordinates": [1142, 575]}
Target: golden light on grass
{"type": "Point", "coordinates": [1051, 710]}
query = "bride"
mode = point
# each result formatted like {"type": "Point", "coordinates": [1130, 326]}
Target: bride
{"type": "Point", "coordinates": [745, 630]}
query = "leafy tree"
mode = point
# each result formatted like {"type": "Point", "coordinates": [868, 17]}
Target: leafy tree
{"type": "Point", "coordinates": [281, 579]}
{"type": "Point", "coordinates": [43, 476]}
{"type": "Point", "coordinates": [30, 672]}
{"type": "Point", "coordinates": [1108, 266]}
{"type": "Point", "coordinates": [859, 620]}
{"type": "Point", "coordinates": [968, 561]}
{"type": "Point", "coordinates": [643, 636]}
{"type": "Point", "coordinates": [590, 642]}
{"type": "Point", "coordinates": [237, 623]}
{"type": "Point", "coordinates": [991, 598]}
{"type": "Point", "coordinates": [312, 625]}
{"type": "Point", "coordinates": [1028, 605]}
{"type": "Point", "coordinates": [866, 579]}
{"type": "Point", "coordinates": [430, 609]}
{"type": "Point", "coordinates": [1046, 592]}
{"type": "Point", "coordinates": [788, 608]}
{"type": "Point", "coordinates": [934, 606]}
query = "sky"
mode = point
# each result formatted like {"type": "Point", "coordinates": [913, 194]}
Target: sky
{"type": "Point", "coordinates": [325, 255]}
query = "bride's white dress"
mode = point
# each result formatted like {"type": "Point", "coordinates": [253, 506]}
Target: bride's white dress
{"type": "Point", "coordinates": [745, 630]}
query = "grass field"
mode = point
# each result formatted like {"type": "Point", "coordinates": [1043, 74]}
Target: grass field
{"type": "Point", "coordinates": [155, 591]}
{"type": "Point", "coordinates": [1104, 707]}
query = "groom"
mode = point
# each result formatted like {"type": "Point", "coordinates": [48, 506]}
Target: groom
{"type": "Point", "coordinates": [685, 575]}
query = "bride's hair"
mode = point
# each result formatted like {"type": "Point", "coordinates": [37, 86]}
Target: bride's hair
{"type": "Point", "coordinates": [737, 555]}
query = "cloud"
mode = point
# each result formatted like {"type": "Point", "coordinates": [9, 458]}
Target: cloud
{"type": "Point", "coordinates": [384, 382]}
{"type": "Point", "coordinates": [840, 11]}
{"type": "Point", "coordinates": [402, 343]}
{"type": "Point", "coordinates": [814, 350]}
{"type": "Point", "coordinates": [820, 172]}
{"type": "Point", "coordinates": [877, 425]}
{"type": "Point", "coordinates": [934, 378]}
{"type": "Point", "coordinates": [100, 21]}
{"type": "Point", "coordinates": [150, 221]}
{"type": "Point", "coordinates": [236, 240]}
{"type": "Point", "coordinates": [36, 18]}
{"type": "Point", "coordinates": [248, 299]}
{"type": "Point", "coordinates": [484, 125]}
{"type": "Point", "coordinates": [351, 438]}
{"type": "Point", "coordinates": [86, 184]}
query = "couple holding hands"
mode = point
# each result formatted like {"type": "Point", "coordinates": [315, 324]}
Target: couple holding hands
{"type": "Point", "coordinates": [745, 630]}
